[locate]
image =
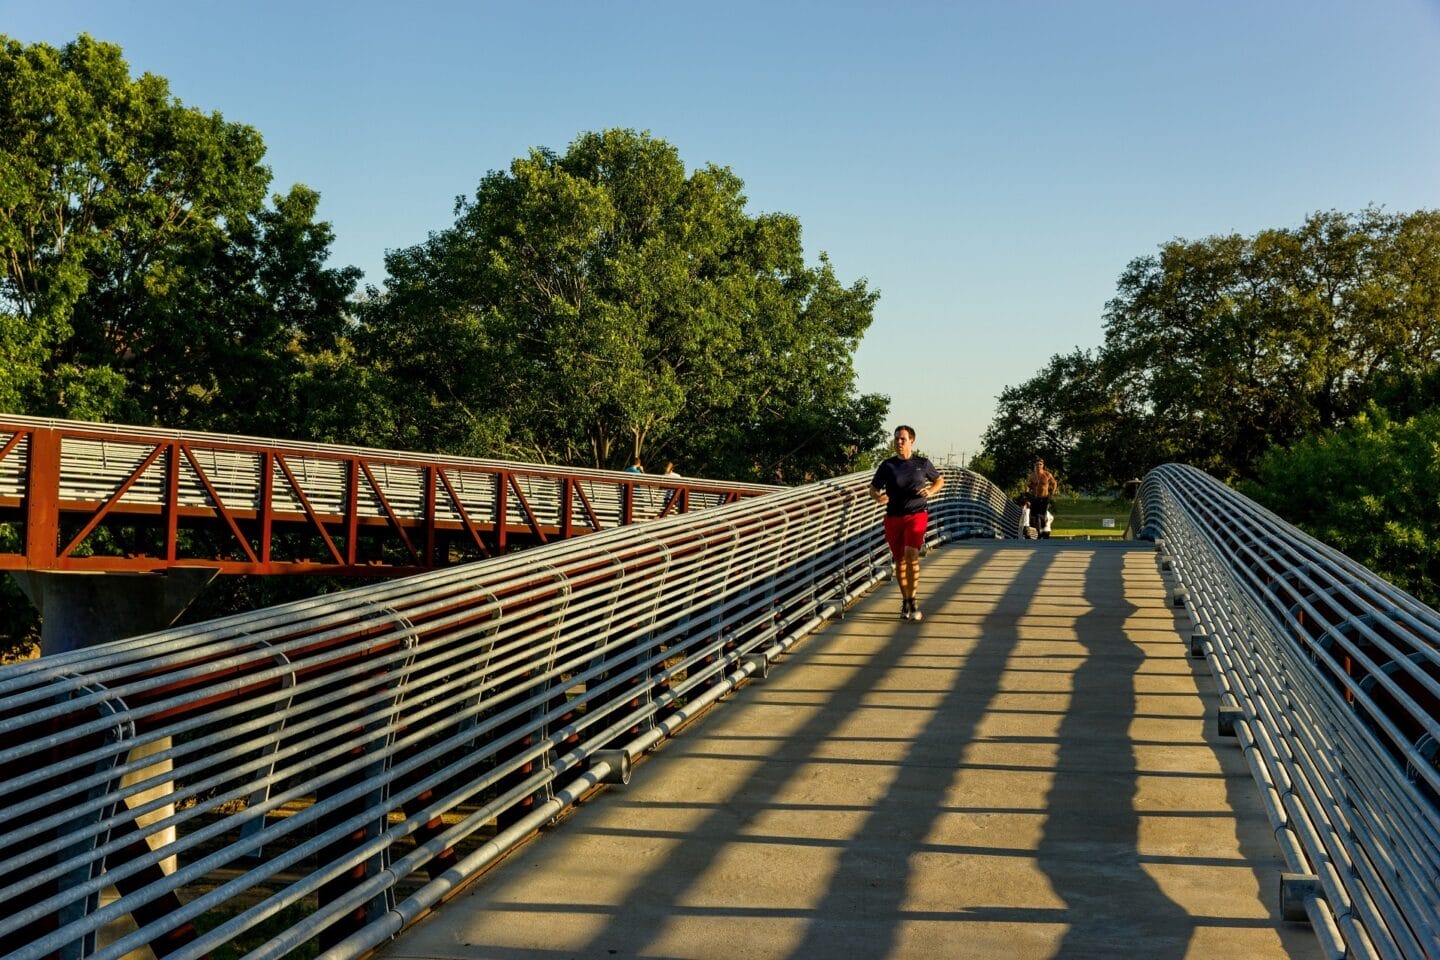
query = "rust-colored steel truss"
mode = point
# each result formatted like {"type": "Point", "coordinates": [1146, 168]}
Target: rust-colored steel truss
{"type": "Point", "coordinates": [90, 497]}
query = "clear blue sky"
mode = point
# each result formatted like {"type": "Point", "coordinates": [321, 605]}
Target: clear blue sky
{"type": "Point", "coordinates": [989, 167]}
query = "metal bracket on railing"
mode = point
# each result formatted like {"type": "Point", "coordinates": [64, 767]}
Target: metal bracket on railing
{"type": "Point", "coordinates": [1226, 718]}
{"type": "Point", "coordinates": [123, 732]}
{"type": "Point", "coordinates": [1198, 639]}
{"type": "Point", "coordinates": [1295, 890]}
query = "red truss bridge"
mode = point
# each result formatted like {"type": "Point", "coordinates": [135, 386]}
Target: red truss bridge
{"type": "Point", "coordinates": [90, 497]}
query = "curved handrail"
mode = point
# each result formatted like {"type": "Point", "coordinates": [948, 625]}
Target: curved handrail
{"type": "Point", "coordinates": [351, 758]}
{"type": "Point", "coordinates": [1331, 679]}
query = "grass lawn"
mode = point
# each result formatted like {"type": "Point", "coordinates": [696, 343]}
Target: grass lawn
{"type": "Point", "coordinates": [1084, 517]}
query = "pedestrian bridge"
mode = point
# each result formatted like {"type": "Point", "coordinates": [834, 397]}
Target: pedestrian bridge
{"type": "Point", "coordinates": [711, 735]}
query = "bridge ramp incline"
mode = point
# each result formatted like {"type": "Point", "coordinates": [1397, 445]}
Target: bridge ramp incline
{"type": "Point", "coordinates": [1032, 772]}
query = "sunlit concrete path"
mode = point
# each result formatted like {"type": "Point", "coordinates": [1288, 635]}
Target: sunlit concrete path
{"type": "Point", "coordinates": [1033, 771]}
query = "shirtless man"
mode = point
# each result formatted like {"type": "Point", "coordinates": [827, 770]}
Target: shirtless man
{"type": "Point", "coordinates": [1042, 488]}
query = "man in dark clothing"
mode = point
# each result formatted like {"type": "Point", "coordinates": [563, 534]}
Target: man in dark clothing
{"type": "Point", "coordinates": [904, 483]}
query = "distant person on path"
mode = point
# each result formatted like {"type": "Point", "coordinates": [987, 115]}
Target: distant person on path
{"type": "Point", "coordinates": [1041, 488]}
{"type": "Point", "coordinates": [1024, 501]}
{"type": "Point", "coordinates": [669, 474]}
{"type": "Point", "coordinates": [635, 467]}
{"type": "Point", "coordinates": [904, 483]}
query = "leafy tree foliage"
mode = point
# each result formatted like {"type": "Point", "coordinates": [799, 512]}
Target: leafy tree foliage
{"type": "Point", "coordinates": [1304, 363]}
{"type": "Point", "coordinates": [1076, 415]}
{"type": "Point", "coordinates": [602, 304]}
{"type": "Point", "coordinates": [145, 280]}
{"type": "Point", "coordinates": [1219, 349]}
{"type": "Point", "coordinates": [1368, 489]}
{"type": "Point", "coordinates": [583, 308]}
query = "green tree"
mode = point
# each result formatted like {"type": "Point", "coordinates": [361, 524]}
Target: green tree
{"type": "Point", "coordinates": [1240, 344]}
{"type": "Point", "coordinates": [1367, 489]}
{"type": "Point", "coordinates": [592, 306]}
{"type": "Point", "coordinates": [1078, 415]}
{"type": "Point", "coordinates": [1219, 349]}
{"type": "Point", "coordinates": [144, 278]}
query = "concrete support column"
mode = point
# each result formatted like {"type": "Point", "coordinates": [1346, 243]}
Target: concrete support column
{"type": "Point", "coordinates": [80, 610]}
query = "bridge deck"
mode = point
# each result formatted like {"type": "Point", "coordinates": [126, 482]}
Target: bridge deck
{"type": "Point", "coordinates": [1034, 771]}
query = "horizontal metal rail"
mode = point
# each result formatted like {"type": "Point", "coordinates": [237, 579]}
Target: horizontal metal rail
{"type": "Point", "coordinates": [1330, 678]}
{"type": "Point", "coordinates": [170, 498]}
{"type": "Point", "coordinates": [317, 775]}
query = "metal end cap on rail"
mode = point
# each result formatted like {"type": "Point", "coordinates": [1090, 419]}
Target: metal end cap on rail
{"type": "Point", "coordinates": [617, 763]}
{"type": "Point", "coordinates": [1295, 890]}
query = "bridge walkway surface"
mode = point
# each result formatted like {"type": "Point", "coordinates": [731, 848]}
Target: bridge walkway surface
{"type": "Point", "coordinates": [1033, 771]}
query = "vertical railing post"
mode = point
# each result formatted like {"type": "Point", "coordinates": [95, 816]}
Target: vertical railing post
{"type": "Point", "coordinates": [352, 509]}
{"type": "Point", "coordinates": [502, 509]}
{"type": "Point", "coordinates": [567, 494]}
{"type": "Point", "coordinates": [42, 500]}
{"type": "Point", "coordinates": [172, 499]}
{"type": "Point", "coordinates": [266, 506]}
{"type": "Point", "coordinates": [430, 481]}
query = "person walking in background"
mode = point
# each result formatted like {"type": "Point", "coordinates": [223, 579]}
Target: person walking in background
{"type": "Point", "coordinates": [1041, 488]}
{"type": "Point", "coordinates": [904, 483]}
{"type": "Point", "coordinates": [630, 513]}
{"type": "Point", "coordinates": [1025, 529]}
{"type": "Point", "coordinates": [669, 474]}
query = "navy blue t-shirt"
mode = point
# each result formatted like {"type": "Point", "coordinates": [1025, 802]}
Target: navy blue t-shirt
{"type": "Point", "coordinates": [902, 480]}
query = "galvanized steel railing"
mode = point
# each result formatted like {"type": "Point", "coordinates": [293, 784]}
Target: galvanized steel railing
{"type": "Point", "coordinates": [318, 774]}
{"type": "Point", "coordinates": [1330, 677]}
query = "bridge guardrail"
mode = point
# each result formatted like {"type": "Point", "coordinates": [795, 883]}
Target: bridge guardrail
{"type": "Point", "coordinates": [250, 505]}
{"type": "Point", "coordinates": [1330, 678]}
{"type": "Point", "coordinates": [323, 772]}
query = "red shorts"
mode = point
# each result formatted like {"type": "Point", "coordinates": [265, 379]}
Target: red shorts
{"type": "Point", "coordinates": [906, 531]}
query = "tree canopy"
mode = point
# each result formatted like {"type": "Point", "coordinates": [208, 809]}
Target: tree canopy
{"type": "Point", "coordinates": [1303, 364]}
{"type": "Point", "coordinates": [583, 308]}
{"type": "Point", "coordinates": [598, 305]}
{"type": "Point", "coordinates": [1367, 489]}
{"type": "Point", "coordinates": [145, 278]}
{"type": "Point", "coordinates": [1220, 349]}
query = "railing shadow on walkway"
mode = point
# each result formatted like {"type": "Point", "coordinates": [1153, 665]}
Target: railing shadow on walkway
{"type": "Point", "coordinates": [1094, 793]}
{"type": "Point", "coordinates": [488, 699]}
{"type": "Point", "coordinates": [893, 867]}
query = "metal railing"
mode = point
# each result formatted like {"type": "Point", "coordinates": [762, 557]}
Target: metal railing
{"type": "Point", "coordinates": [251, 505]}
{"type": "Point", "coordinates": [1330, 678]}
{"type": "Point", "coordinates": [318, 774]}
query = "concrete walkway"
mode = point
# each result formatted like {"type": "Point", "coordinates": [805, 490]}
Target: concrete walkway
{"type": "Point", "coordinates": [1033, 772]}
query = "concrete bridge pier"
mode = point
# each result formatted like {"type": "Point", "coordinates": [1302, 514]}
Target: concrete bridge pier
{"type": "Point", "coordinates": [80, 610]}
